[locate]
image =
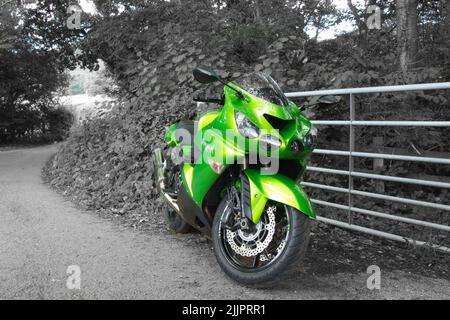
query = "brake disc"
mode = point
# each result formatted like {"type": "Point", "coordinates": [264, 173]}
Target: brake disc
{"type": "Point", "coordinates": [253, 247]}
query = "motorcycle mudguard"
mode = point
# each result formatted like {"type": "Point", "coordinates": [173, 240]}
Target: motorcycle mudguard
{"type": "Point", "coordinates": [278, 188]}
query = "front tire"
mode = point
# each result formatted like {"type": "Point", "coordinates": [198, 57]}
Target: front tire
{"type": "Point", "coordinates": [294, 242]}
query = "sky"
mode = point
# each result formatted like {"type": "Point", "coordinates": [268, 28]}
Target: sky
{"type": "Point", "coordinates": [88, 6]}
{"type": "Point", "coordinates": [343, 27]}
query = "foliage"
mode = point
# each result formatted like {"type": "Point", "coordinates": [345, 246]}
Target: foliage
{"type": "Point", "coordinates": [59, 122]}
{"type": "Point", "coordinates": [36, 48]}
{"type": "Point", "coordinates": [29, 81]}
{"type": "Point", "coordinates": [151, 49]}
{"type": "Point", "coordinates": [92, 83]}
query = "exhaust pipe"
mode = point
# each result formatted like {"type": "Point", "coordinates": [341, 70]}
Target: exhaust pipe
{"type": "Point", "coordinates": [159, 166]}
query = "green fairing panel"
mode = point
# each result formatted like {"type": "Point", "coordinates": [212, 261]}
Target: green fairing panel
{"type": "Point", "coordinates": [186, 176]}
{"type": "Point", "coordinates": [169, 136]}
{"type": "Point", "coordinates": [214, 149]}
{"type": "Point", "coordinates": [198, 179]}
{"type": "Point", "coordinates": [255, 110]}
{"type": "Point", "coordinates": [278, 188]}
{"type": "Point", "coordinates": [206, 118]}
{"type": "Point", "coordinates": [203, 176]}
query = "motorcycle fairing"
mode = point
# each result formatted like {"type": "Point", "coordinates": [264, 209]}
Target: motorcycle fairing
{"type": "Point", "coordinates": [278, 188]}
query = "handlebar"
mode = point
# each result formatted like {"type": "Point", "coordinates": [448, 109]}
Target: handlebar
{"type": "Point", "coordinates": [208, 100]}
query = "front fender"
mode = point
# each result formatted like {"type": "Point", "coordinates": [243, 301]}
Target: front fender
{"type": "Point", "coordinates": [278, 188]}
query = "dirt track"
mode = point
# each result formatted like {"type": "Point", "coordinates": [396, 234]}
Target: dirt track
{"type": "Point", "coordinates": [41, 234]}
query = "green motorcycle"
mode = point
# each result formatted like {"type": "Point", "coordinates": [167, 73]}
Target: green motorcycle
{"type": "Point", "coordinates": [234, 175]}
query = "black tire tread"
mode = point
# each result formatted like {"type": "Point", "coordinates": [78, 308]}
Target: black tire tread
{"type": "Point", "coordinates": [295, 249]}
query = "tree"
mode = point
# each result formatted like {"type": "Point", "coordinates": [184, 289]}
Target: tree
{"type": "Point", "coordinates": [319, 14]}
{"type": "Point", "coordinates": [36, 47]}
{"type": "Point", "coordinates": [446, 11]}
{"type": "Point", "coordinates": [407, 33]}
{"type": "Point", "coordinates": [445, 21]}
{"type": "Point", "coordinates": [358, 17]}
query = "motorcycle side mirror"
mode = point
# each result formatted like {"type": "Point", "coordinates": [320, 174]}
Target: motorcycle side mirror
{"type": "Point", "coordinates": [205, 75]}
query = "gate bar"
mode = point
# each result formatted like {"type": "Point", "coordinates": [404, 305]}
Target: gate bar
{"type": "Point", "coordinates": [382, 215]}
{"type": "Point", "coordinates": [379, 196]}
{"type": "Point", "coordinates": [429, 183]}
{"type": "Point", "coordinates": [383, 234]}
{"type": "Point", "coordinates": [352, 123]}
{"type": "Point", "coordinates": [382, 89]}
{"type": "Point", "coordinates": [383, 123]}
{"type": "Point", "coordinates": [382, 156]}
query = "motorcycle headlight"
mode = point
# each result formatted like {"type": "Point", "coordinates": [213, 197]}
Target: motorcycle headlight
{"type": "Point", "coordinates": [269, 142]}
{"type": "Point", "coordinates": [245, 126]}
{"type": "Point", "coordinates": [310, 138]}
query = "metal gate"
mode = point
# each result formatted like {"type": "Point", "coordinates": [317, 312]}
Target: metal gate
{"type": "Point", "coordinates": [351, 173]}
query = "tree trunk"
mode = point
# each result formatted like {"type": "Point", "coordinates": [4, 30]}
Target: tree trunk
{"type": "Point", "coordinates": [258, 17]}
{"type": "Point", "coordinates": [445, 31]}
{"type": "Point", "coordinates": [445, 20]}
{"type": "Point", "coordinates": [318, 26]}
{"type": "Point", "coordinates": [407, 33]}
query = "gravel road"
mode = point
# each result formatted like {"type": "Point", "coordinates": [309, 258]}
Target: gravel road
{"type": "Point", "coordinates": [41, 235]}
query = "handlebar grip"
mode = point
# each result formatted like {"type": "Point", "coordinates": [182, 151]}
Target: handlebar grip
{"type": "Point", "coordinates": [207, 100]}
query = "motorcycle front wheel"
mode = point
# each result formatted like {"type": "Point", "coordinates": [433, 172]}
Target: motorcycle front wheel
{"type": "Point", "coordinates": [261, 257]}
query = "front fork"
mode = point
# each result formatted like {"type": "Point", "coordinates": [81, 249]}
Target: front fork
{"type": "Point", "coordinates": [241, 204]}
{"type": "Point", "coordinates": [246, 204]}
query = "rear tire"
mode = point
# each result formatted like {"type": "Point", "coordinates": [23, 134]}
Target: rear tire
{"type": "Point", "coordinates": [296, 243]}
{"type": "Point", "coordinates": [176, 223]}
